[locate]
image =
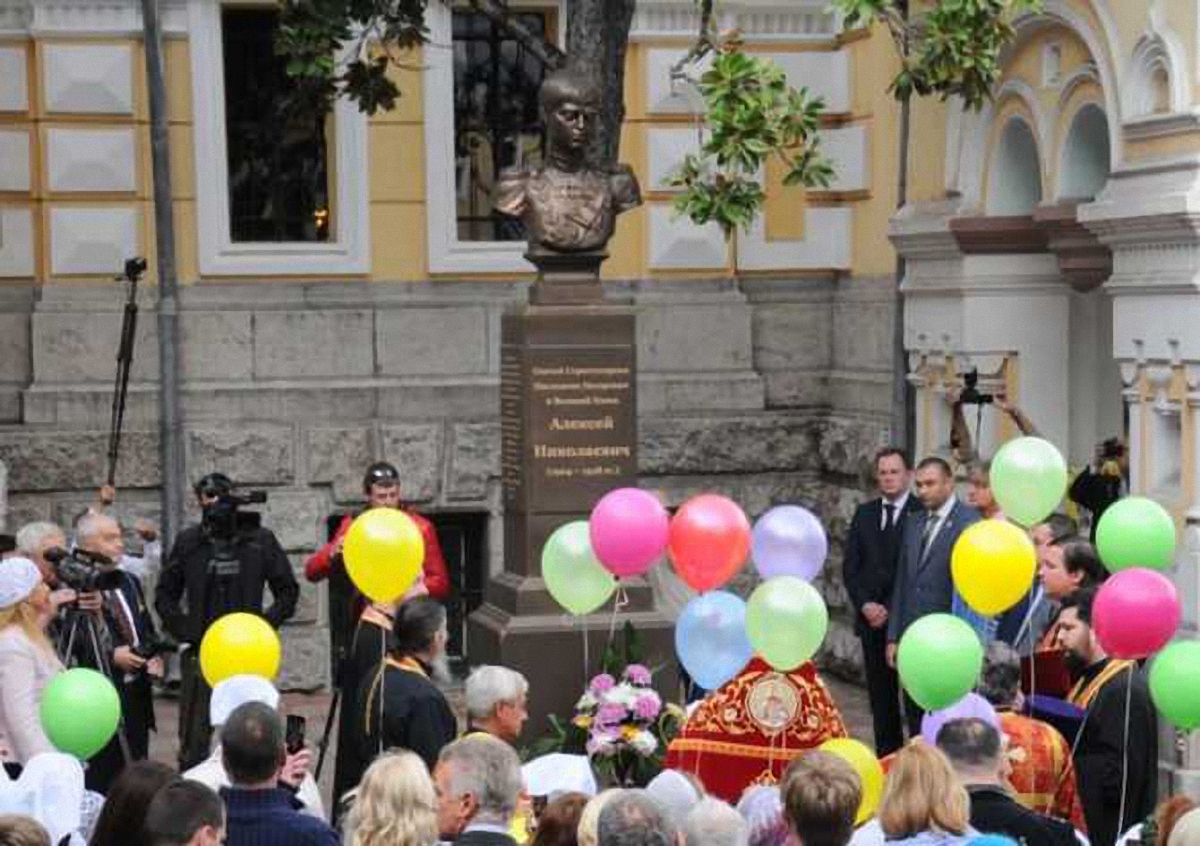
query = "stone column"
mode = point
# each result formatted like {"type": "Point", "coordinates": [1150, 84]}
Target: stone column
{"type": "Point", "coordinates": [1150, 218]}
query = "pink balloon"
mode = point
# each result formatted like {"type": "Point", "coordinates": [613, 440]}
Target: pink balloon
{"type": "Point", "coordinates": [1136, 613]}
{"type": "Point", "coordinates": [628, 529]}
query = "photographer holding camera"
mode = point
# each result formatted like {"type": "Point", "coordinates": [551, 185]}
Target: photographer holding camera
{"type": "Point", "coordinates": [1103, 482]}
{"type": "Point", "coordinates": [220, 566]}
{"type": "Point", "coordinates": [109, 629]}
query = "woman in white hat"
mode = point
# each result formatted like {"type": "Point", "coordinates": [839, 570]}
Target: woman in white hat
{"type": "Point", "coordinates": [27, 659]}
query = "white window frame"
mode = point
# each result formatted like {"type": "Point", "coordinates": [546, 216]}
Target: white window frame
{"type": "Point", "coordinates": [447, 253]}
{"type": "Point", "coordinates": [349, 251]}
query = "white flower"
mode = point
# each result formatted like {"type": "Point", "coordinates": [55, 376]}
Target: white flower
{"type": "Point", "coordinates": [623, 694]}
{"type": "Point", "coordinates": [644, 743]}
{"type": "Point", "coordinates": [586, 701]}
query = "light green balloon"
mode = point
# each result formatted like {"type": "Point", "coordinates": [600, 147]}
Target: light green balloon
{"type": "Point", "coordinates": [1175, 683]}
{"type": "Point", "coordinates": [1028, 478]}
{"type": "Point", "coordinates": [1136, 532]}
{"type": "Point", "coordinates": [80, 710]}
{"type": "Point", "coordinates": [786, 620]}
{"type": "Point", "coordinates": [939, 660]}
{"type": "Point", "coordinates": [573, 575]}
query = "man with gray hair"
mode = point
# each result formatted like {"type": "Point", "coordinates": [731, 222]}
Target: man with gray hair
{"type": "Point", "coordinates": [477, 781]}
{"type": "Point", "coordinates": [496, 701]}
{"type": "Point", "coordinates": [34, 539]}
{"type": "Point", "coordinates": [715, 823]}
{"type": "Point", "coordinates": [634, 818]}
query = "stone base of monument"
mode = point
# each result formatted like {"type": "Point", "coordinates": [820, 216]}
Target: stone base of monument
{"type": "Point", "coordinates": [568, 409]}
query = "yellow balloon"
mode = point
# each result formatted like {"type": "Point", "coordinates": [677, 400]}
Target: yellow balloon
{"type": "Point", "coordinates": [384, 552]}
{"type": "Point", "coordinates": [870, 773]}
{"type": "Point", "coordinates": [239, 644]}
{"type": "Point", "coordinates": [992, 565]}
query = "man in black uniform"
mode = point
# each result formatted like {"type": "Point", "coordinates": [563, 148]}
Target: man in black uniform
{"type": "Point", "coordinates": [402, 706]}
{"type": "Point", "coordinates": [869, 572]}
{"type": "Point", "coordinates": [219, 566]}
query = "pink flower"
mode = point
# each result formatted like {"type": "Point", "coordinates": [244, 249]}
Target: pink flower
{"type": "Point", "coordinates": [637, 674]}
{"type": "Point", "coordinates": [647, 706]}
{"type": "Point", "coordinates": [610, 713]}
{"type": "Point", "coordinates": [602, 684]}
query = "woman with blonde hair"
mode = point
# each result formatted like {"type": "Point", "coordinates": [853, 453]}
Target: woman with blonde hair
{"type": "Point", "coordinates": [924, 804]}
{"type": "Point", "coordinates": [394, 804]}
{"type": "Point", "coordinates": [27, 659]}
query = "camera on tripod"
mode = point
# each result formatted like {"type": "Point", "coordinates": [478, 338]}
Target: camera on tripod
{"type": "Point", "coordinates": [221, 519]}
{"type": "Point", "coordinates": [153, 647]}
{"type": "Point", "coordinates": [971, 394]}
{"type": "Point", "coordinates": [80, 570]}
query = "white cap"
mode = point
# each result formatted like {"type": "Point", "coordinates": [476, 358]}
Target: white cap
{"type": "Point", "coordinates": [558, 773]}
{"type": "Point", "coordinates": [50, 790]}
{"type": "Point", "coordinates": [674, 790]}
{"type": "Point", "coordinates": [235, 691]}
{"type": "Point", "coordinates": [18, 578]}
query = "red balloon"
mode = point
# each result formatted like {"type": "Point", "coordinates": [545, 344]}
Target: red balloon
{"type": "Point", "coordinates": [1135, 613]}
{"type": "Point", "coordinates": [709, 541]}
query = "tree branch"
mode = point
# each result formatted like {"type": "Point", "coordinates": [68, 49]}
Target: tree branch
{"type": "Point", "coordinates": [705, 42]}
{"type": "Point", "coordinates": [498, 13]}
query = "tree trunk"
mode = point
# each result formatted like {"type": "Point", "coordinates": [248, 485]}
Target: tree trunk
{"type": "Point", "coordinates": [597, 36]}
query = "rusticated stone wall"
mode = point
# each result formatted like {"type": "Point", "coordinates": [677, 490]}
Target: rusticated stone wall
{"type": "Point", "coordinates": [769, 391]}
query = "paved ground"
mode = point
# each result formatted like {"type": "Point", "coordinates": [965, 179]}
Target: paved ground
{"type": "Point", "coordinates": [851, 699]}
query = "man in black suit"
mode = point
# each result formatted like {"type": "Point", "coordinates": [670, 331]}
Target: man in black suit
{"type": "Point", "coordinates": [477, 781]}
{"type": "Point", "coordinates": [869, 572]}
{"type": "Point", "coordinates": [125, 629]}
{"type": "Point", "coordinates": [973, 747]}
{"type": "Point", "coordinates": [923, 584]}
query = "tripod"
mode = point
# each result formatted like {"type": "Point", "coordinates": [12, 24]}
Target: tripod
{"type": "Point", "coordinates": [80, 626]}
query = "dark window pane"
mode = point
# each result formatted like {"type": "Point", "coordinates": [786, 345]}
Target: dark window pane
{"type": "Point", "coordinates": [497, 123]}
{"type": "Point", "coordinates": [278, 185]}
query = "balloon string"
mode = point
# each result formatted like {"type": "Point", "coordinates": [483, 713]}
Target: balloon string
{"type": "Point", "coordinates": [586, 662]}
{"type": "Point", "coordinates": [1125, 754]}
{"type": "Point", "coordinates": [621, 602]}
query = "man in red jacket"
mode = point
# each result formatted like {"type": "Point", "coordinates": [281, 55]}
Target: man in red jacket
{"type": "Point", "coordinates": [381, 484]}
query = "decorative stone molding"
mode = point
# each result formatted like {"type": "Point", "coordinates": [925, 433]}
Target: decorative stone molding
{"type": "Point", "coordinates": [1147, 127]}
{"type": "Point", "coordinates": [1083, 260]}
{"type": "Point", "coordinates": [829, 234]}
{"type": "Point", "coordinates": [92, 240]}
{"type": "Point", "coordinates": [678, 244]}
{"type": "Point", "coordinates": [91, 160]}
{"type": "Point", "coordinates": [757, 20]}
{"type": "Point", "coordinates": [85, 17]}
{"type": "Point", "coordinates": [16, 243]}
{"type": "Point", "coordinates": [14, 159]}
{"type": "Point", "coordinates": [998, 235]}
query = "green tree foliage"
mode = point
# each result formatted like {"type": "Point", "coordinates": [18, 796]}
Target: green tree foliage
{"type": "Point", "coordinates": [950, 48]}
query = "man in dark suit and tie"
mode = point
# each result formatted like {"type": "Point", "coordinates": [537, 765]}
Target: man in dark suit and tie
{"type": "Point", "coordinates": [477, 781]}
{"type": "Point", "coordinates": [923, 584]}
{"type": "Point", "coordinates": [869, 572]}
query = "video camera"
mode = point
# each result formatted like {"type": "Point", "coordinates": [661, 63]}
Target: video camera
{"type": "Point", "coordinates": [153, 647]}
{"type": "Point", "coordinates": [80, 569]}
{"type": "Point", "coordinates": [971, 394]}
{"type": "Point", "coordinates": [221, 520]}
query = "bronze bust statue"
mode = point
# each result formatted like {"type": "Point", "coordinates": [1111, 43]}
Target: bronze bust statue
{"type": "Point", "coordinates": [569, 206]}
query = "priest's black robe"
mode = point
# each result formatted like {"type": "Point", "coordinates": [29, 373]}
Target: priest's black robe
{"type": "Point", "coordinates": [1104, 752]}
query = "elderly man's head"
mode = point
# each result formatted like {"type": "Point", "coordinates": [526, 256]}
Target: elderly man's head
{"type": "Point", "coordinates": [477, 780]}
{"type": "Point", "coordinates": [1000, 680]}
{"type": "Point", "coordinates": [100, 534]}
{"type": "Point", "coordinates": [715, 823]}
{"type": "Point", "coordinates": [34, 539]}
{"type": "Point", "coordinates": [496, 701]}
{"type": "Point", "coordinates": [634, 818]}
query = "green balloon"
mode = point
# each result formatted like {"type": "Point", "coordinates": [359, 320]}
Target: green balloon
{"type": "Point", "coordinates": [80, 710]}
{"type": "Point", "coordinates": [1136, 532]}
{"type": "Point", "coordinates": [786, 620]}
{"type": "Point", "coordinates": [1175, 683]}
{"type": "Point", "coordinates": [574, 576]}
{"type": "Point", "coordinates": [1028, 478]}
{"type": "Point", "coordinates": [939, 660]}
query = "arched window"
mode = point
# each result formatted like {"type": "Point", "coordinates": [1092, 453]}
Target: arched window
{"type": "Point", "coordinates": [1085, 155]}
{"type": "Point", "coordinates": [1016, 179]}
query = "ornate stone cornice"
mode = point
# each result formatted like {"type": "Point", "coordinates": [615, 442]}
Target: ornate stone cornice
{"type": "Point", "coordinates": [85, 17]}
{"type": "Point", "coordinates": [1161, 126]}
{"type": "Point", "coordinates": [1083, 260]}
{"type": "Point", "coordinates": [998, 235]}
{"type": "Point", "coordinates": [760, 20]}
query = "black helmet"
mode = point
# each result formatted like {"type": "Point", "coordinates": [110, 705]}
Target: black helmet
{"type": "Point", "coordinates": [380, 473]}
{"type": "Point", "coordinates": [214, 484]}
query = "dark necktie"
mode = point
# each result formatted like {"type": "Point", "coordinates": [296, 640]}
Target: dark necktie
{"type": "Point", "coordinates": [890, 523]}
{"type": "Point", "coordinates": [117, 610]}
{"type": "Point", "coordinates": [927, 535]}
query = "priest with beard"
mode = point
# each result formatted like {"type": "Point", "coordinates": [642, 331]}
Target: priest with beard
{"type": "Point", "coordinates": [1116, 751]}
{"type": "Point", "coordinates": [402, 705]}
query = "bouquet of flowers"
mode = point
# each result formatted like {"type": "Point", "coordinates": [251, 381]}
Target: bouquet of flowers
{"type": "Point", "coordinates": [621, 718]}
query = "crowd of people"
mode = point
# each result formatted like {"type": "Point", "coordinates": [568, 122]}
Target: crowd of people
{"type": "Point", "coordinates": [1070, 756]}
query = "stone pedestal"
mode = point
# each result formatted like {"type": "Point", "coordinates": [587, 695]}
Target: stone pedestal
{"type": "Point", "coordinates": [568, 407]}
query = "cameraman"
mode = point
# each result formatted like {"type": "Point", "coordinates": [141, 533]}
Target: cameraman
{"type": "Point", "coordinates": [220, 566]}
{"type": "Point", "coordinates": [128, 643]}
{"type": "Point", "coordinates": [1103, 482]}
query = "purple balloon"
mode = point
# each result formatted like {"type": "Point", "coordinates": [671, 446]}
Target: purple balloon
{"type": "Point", "coordinates": [971, 706]}
{"type": "Point", "coordinates": [789, 541]}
